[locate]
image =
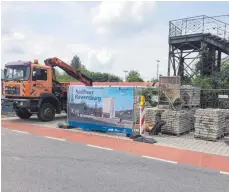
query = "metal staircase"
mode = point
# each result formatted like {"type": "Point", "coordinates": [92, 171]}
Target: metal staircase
{"type": "Point", "coordinates": [214, 30]}
{"type": "Point", "coordinates": [190, 37]}
{"type": "Point", "coordinates": [222, 44]}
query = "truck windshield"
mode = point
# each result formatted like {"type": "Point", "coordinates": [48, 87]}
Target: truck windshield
{"type": "Point", "coordinates": [17, 73]}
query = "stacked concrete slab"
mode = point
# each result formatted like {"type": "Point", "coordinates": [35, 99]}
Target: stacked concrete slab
{"type": "Point", "coordinates": [152, 115]}
{"type": "Point", "coordinates": [177, 122]}
{"type": "Point", "coordinates": [226, 113]}
{"type": "Point", "coordinates": [192, 112]}
{"type": "Point", "coordinates": [190, 95]}
{"type": "Point", "coordinates": [210, 124]}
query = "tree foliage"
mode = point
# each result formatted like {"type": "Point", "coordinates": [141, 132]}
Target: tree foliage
{"type": "Point", "coordinates": [95, 76]}
{"type": "Point", "coordinates": [219, 80]}
{"type": "Point", "coordinates": [76, 63]}
{"type": "Point", "coordinates": [203, 82]}
{"type": "Point", "coordinates": [63, 77]}
{"type": "Point", "coordinates": [203, 70]}
{"type": "Point", "coordinates": [134, 76]}
{"type": "Point", "coordinates": [100, 77]}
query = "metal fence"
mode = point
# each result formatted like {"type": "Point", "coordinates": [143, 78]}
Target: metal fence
{"type": "Point", "coordinates": [200, 98]}
{"type": "Point", "coordinates": [190, 96]}
{"type": "Point", "coordinates": [214, 98]}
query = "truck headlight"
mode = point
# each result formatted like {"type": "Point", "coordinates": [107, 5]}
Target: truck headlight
{"type": "Point", "coordinates": [21, 103]}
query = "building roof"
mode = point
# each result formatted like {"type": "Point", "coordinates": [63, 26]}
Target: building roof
{"type": "Point", "coordinates": [126, 84]}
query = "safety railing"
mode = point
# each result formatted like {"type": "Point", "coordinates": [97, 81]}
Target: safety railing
{"type": "Point", "coordinates": [218, 26]}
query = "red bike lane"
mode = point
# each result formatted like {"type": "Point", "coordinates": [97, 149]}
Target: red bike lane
{"type": "Point", "coordinates": [199, 159]}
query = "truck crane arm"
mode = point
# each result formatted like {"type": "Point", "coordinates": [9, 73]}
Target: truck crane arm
{"type": "Point", "coordinates": [53, 62]}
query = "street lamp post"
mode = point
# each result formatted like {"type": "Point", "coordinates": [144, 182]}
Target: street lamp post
{"type": "Point", "coordinates": [158, 93]}
{"type": "Point", "coordinates": [125, 74]}
{"type": "Point", "coordinates": [158, 61]}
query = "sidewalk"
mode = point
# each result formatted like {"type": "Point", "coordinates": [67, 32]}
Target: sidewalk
{"type": "Point", "coordinates": [190, 143]}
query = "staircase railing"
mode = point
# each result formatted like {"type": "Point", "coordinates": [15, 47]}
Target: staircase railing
{"type": "Point", "coordinates": [200, 24]}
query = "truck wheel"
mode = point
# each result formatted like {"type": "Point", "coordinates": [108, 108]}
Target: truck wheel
{"type": "Point", "coordinates": [46, 112]}
{"type": "Point", "coordinates": [23, 113]}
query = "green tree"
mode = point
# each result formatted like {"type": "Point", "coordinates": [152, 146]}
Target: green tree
{"type": "Point", "coordinates": [76, 63]}
{"type": "Point", "coordinates": [63, 77]}
{"type": "Point", "coordinates": [114, 78]}
{"type": "Point", "coordinates": [95, 76]}
{"type": "Point", "coordinates": [104, 77]}
{"type": "Point", "coordinates": [134, 76]}
{"type": "Point", "coordinates": [219, 79]}
{"type": "Point", "coordinates": [203, 82]}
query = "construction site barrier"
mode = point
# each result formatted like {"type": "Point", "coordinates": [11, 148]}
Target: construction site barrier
{"type": "Point", "coordinates": [105, 109]}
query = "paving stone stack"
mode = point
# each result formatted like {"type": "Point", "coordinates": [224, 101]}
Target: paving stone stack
{"type": "Point", "coordinates": [153, 115]}
{"type": "Point", "coordinates": [192, 112]}
{"type": "Point", "coordinates": [210, 124]}
{"type": "Point", "coordinates": [177, 122]}
{"type": "Point", "coordinates": [190, 95]}
{"type": "Point", "coordinates": [226, 113]}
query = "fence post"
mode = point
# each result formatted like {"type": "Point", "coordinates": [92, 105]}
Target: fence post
{"type": "Point", "coordinates": [142, 115]}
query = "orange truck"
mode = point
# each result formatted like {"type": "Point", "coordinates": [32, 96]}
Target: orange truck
{"type": "Point", "coordinates": [30, 88]}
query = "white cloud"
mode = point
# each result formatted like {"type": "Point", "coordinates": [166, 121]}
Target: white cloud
{"type": "Point", "coordinates": [44, 46]}
{"type": "Point", "coordinates": [104, 56]}
{"type": "Point", "coordinates": [101, 60]}
{"type": "Point", "coordinates": [18, 36]}
{"type": "Point", "coordinates": [67, 29]}
{"type": "Point", "coordinates": [110, 12]}
{"type": "Point", "coordinates": [110, 15]}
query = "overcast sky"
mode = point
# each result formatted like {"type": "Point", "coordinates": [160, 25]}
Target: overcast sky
{"type": "Point", "coordinates": [107, 36]}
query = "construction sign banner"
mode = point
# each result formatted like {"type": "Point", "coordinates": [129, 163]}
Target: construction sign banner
{"type": "Point", "coordinates": [108, 109]}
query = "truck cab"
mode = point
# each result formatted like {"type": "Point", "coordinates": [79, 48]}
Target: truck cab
{"type": "Point", "coordinates": [28, 89]}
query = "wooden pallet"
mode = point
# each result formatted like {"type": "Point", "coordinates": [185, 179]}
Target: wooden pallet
{"type": "Point", "coordinates": [190, 106]}
{"type": "Point", "coordinates": [175, 134]}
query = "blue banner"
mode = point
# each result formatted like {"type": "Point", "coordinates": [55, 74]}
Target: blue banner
{"type": "Point", "coordinates": [107, 109]}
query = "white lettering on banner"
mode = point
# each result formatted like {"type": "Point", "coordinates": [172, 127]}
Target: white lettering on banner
{"type": "Point", "coordinates": [83, 94]}
{"type": "Point", "coordinates": [88, 97]}
{"type": "Point", "coordinates": [83, 91]}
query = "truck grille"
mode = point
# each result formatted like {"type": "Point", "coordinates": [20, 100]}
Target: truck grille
{"type": "Point", "coordinates": [12, 90]}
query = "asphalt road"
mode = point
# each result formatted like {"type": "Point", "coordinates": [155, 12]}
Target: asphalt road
{"type": "Point", "coordinates": [34, 163]}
